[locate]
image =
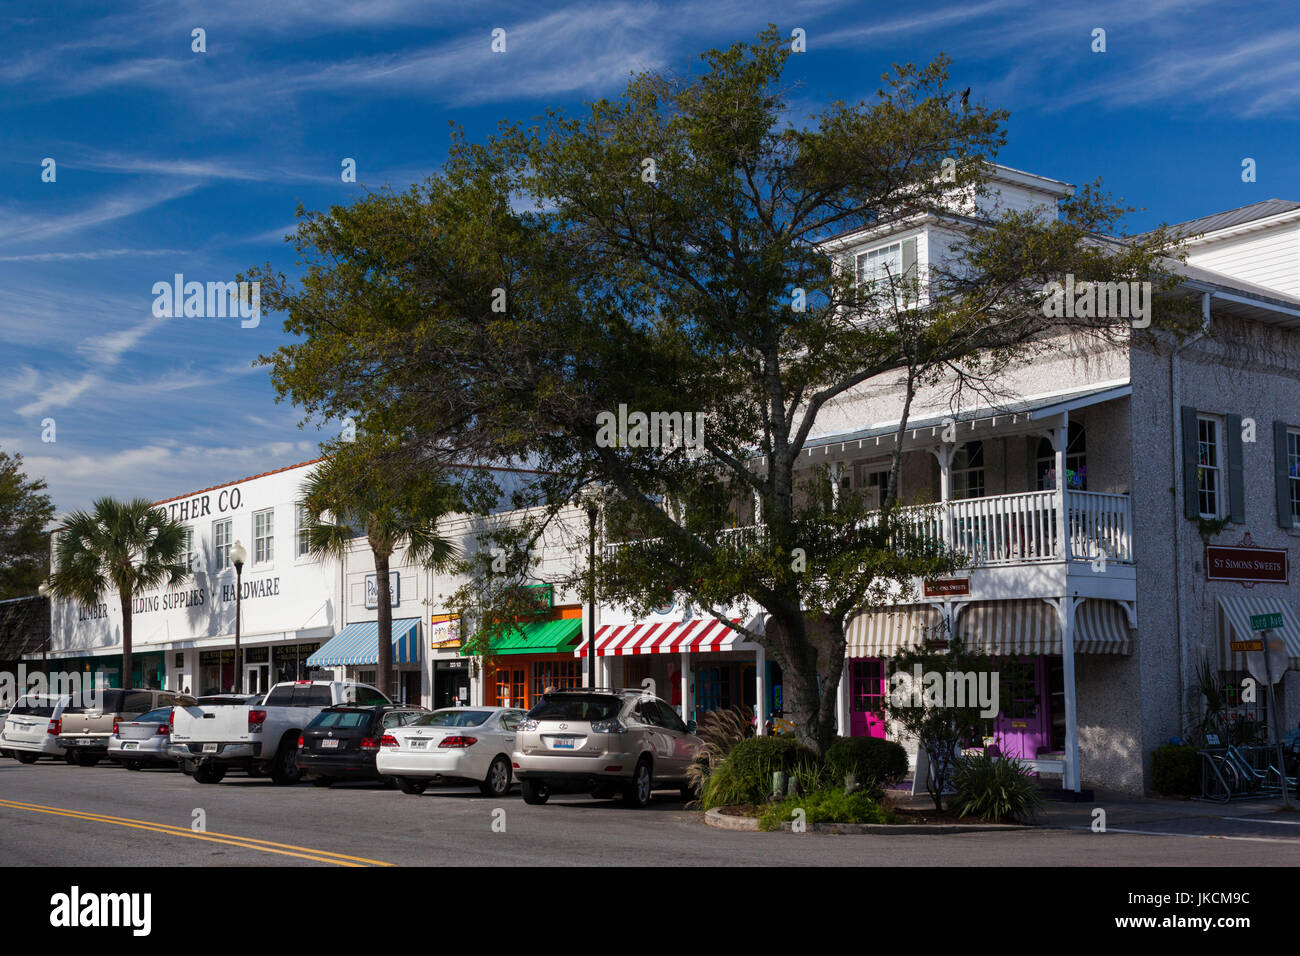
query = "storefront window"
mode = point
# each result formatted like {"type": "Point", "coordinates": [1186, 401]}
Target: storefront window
{"type": "Point", "coordinates": [562, 675]}
{"type": "Point", "coordinates": [510, 687]}
{"type": "Point", "coordinates": [968, 471]}
{"type": "Point", "coordinates": [1076, 461]}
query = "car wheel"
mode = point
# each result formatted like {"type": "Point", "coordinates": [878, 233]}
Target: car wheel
{"type": "Point", "coordinates": [534, 792]}
{"type": "Point", "coordinates": [87, 760]}
{"type": "Point", "coordinates": [253, 771]}
{"type": "Point", "coordinates": [284, 769]}
{"type": "Point", "coordinates": [497, 781]}
{"type": "Point", "coordinates": [390, 783]}
{"type": "Point", "coordinates": [207, 773]}
{"type": "Point", "coordinates": [637, 792]}
{"type": "Point", "coordinates": [411, 786]}
{"type": "Point", "coordinates": [321, 781]}
{"type": "Point", "coordinates": [26, 757]}
{"type": "Point", "coordinates": [69, 758]}
{"type": "Point", "coordinates": [132, 764]}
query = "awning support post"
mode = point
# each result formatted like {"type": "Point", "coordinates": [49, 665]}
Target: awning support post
{"type": "Point", "coordinates": [1065, 608]}
{"type": "Point", "coordinates": [686, 687]}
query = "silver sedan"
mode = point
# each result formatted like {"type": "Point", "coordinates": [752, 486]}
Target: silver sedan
{"type": "Point", "coordinates": [146, 739]}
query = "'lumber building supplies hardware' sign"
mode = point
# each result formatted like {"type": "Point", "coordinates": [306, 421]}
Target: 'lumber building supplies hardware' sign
{"type": "Point", "coordinates": [1267, 565]}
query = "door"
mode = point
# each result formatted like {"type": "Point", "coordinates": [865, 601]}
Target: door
{"type": "Point", "coordinates": [257, 678]}
{"type": "Point", "coordinates": [510, 687]}
{"type": "Point", "coordinates": [1024, 724]}
{"type": "Point", "coordinates": [867, 697]}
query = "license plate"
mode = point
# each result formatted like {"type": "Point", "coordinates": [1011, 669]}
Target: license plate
{"type": "Point", "coordinates": [130, 746]}
{"type": "Point", "coordinates": [419, 744]}
{"type": "Point", "coordinates": [329, 745]}
{"type": "Point", "coordinates": [562, 744]}
{"type": "Point", "coordinates": [209, 748]}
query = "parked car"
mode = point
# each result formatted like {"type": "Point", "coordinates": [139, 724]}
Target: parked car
{"type": "Point", "coordinates": [145, 740]}
{"type": "Point", "coordinates": [88, 724]}
{"type": "Point", "coordinates": [210, 740]}
{"type": "Point", "coordinates": [341, 743]}
{"type": "Point", "coordinates": [454, 744]}
{"type": "Point", "coordinates": [31, 729]}
{"type": "Point", "coordinates": [604, 742]}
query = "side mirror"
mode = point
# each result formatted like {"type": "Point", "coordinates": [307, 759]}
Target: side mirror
{"type": "Point", "coordinates": [690, 726]}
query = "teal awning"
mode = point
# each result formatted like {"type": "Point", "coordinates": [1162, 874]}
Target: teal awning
{"type": "Point", "coordinates": [358, 644]}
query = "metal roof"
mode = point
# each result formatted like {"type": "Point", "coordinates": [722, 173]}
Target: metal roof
{"type": "Point", "coordinates": [1233, 217]}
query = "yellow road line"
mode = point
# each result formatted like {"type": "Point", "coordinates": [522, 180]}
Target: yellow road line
{"type": "Point", "coordinates": [251, 843]}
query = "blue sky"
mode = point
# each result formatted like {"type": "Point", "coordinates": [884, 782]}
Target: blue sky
{"type": "Point", "coordinates": [171, 161]}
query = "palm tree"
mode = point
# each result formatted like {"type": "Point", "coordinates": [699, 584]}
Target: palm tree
{"type": "Point", "coordinates": [127, 546]}
{"type": "Point", "coordinates": [360, 491]}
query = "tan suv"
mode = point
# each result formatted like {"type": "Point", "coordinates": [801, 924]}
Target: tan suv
{"type": "Point", "coordinates": [603, 742]}
{"type": "Point", "coordinates": [86, 728]}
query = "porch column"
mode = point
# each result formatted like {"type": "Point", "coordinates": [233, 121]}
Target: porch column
{"type": "Point", "coordinates": [837, 471]}
{"type": "Point", "coordinates": [842, 701]}
{"type": "Point", "coordinates": [687, 703]}
{"type": "Point", "coordinates": [760, 691]}
{"type": "Point", "coordinates": [1065, 607]}
{"type": "Point", "coordinates": [1060, 440]}
{"type": "Point", "coordinates": [944, 453]}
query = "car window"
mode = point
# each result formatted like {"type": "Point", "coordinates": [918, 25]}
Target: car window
{"type": "Point", "coordinates": [159, 716]}
{"type": "Point", "coordinates": [452, 718]}
{"type": "Point", "coordinates": [398, 718]}
{"type": "Point", "coordinates": [365, 696]}
{"type": "Point", "coordinates": [341, 719]}
{"type": "Point", "coordinates": [646, 712]}
{"type": "Point", "coordinates": [510, 719]}
{"type": "Point", "coordinates": [136, 702]}
{"type": "Point", "coordinates": [668, 717]}
{"type": "Point", "coordinates": [280, 697]}
{"type": "Point", "coordinates": [34, 707]}
{"type": "Point", "coordinates": [103, 700]}
{"type": "Point", "coordinates": [577, 707]}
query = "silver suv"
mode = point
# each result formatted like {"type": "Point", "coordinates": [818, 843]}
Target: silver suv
{"type": "Point", "coordinates": [603, 742]}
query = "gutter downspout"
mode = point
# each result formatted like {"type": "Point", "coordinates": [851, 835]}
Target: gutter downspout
{"type": "Point", "coordinates": [1176, 450]}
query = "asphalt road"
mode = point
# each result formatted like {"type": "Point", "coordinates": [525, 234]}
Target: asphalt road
{"type": "Point", "coordinates": [55, 814]}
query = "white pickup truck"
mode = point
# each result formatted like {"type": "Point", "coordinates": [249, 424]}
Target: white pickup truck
{"type": "Point", "coordinates": [208, 740]}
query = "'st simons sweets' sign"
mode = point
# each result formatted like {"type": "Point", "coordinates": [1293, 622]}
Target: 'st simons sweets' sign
{"type": "Point", "coordinates": [1262, 565]}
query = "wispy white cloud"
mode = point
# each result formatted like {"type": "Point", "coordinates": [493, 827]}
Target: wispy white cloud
{"type": "Point", "coordinates": [28, 226]}
{"type": "Point", "coordinates": [92, 254]}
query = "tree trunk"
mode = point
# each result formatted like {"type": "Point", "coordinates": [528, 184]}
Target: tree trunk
{"type": "Point", "coordinates": [811, 671]}
{"type": "Point", "coordinates": [125, 597]}
{"type": "Point", "coordinates": [385, 626]}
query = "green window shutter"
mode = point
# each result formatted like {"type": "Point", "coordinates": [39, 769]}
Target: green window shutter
{"type": "Point", "coordinates": [1236, 489]}
{"type": "Point", "coordinates": [1282, 475]}
{"type": "Point", "coordinates": [1191, 500]}
{"type": "Point", "coordinates": [909, 262]}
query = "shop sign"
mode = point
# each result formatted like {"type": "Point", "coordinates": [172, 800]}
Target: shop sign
{"type": "Point", "coordinates": [372, 590]}
{"type": "Point", "coordinates": [1251, 565]}
{"type": "Point", "coordinates": [946, 587]}
{"type": "Point", "coordinates": [445, 630]}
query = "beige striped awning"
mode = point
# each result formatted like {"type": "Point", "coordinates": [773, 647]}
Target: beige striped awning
{"type": "Point", "coordinates": [884, 632]}
{"type": "Point", "coordinates": [1234, 624]}
{"type": "Point", "coordinates": [1100, 627]}
{"type": "Point", "coordinates": [1002, 628]}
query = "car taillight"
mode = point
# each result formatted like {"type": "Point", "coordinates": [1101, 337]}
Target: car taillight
{"type": "Point", "coordinates": [388, 740]}
{"type": "Point", "coordinates": [255, 720]}
{"type": "Point", "coordinates": [300, 741]}
{"type": "Point", "coordinates": [115, 728]}
{"type": "Point", "coordinates": [458, 742]}
{"type": "Point", "coordinates": [607, 727]}
{"type": "Point", "coordinates": [164, 730]}
{"type": "Point", "coordinates": [55, 727]}
{"type": "Point", "coordinates": [171, 718]}
{"type": "Point", "coordinates": [370, 743]}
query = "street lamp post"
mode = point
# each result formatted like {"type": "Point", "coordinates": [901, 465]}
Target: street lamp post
{"type": "Point", "coordinates": [237, 557]}
{"type": "Point", "coordinates": [43, 589]}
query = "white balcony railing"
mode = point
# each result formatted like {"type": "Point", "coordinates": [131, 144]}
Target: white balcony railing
{"type": "Point", "coordinates": [1017, 529]}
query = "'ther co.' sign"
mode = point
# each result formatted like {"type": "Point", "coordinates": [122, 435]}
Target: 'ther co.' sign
{"type": "Point", "coordinates": [1253, 565]}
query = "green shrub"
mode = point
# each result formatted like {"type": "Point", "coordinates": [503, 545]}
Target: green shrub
{"type": "Point", "coordinates": [995, 788]}
{"type": "Point", "coordinates": [874, 760]}
{"type": "Point", "coordinates": [1174, 771]}
{"type": "Point", "coordinates": [745, 774]}
{"type": "Point", "coordinates": [826, 806]}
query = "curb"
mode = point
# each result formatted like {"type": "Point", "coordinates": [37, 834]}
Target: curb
{"type": "Point", "coordinates": [715, 818]}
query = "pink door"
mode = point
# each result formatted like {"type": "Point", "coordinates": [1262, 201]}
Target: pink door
{"type": "Point", "coordinates": [866, 697]}
{"type": "Point", "coordinates": [1024, 725]}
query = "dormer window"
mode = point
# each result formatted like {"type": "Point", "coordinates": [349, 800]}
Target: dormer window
{"type": "Point", "coordinates": [891, 264]}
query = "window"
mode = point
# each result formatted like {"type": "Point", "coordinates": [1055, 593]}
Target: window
{"type": "Point", "coordinates": [263, 536]}
{"type": "Point", "coordinates": [562, 675]}
{"type": "Point", "coordinates": [880, 265]}
{"type": "Point", "coordinates": [221, 543]}
{"type": "Point", "coordinates": [191, 557]}
{"type": "Point", "coordinates": [872, 479]}
{"type": "Point", "coordinates": [668, 717]}
{"type": "Point", "coordinates": [1076, 461]}
{"type": "Point", "coordinates": [300, 531]}
{"type": "Point", "coordinates": [1293, 471]}
{"type": "Point", "coordinates": [968, 471]}
{"type": "Point", "coordinates": [1209, 468]}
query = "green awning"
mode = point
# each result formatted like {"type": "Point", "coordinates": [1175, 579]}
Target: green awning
{"type": "Point", "coordinates": [541, 637]}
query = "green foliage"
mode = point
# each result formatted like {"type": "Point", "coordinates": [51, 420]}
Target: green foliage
{"type": "Point", "coordinates": [25, 513]}
{"type": "Point", "coordinates": [995, 788]}
{"type": "Point", "coordinates": [874, 760]}
{"type": "Point", "coordinates": [745, 776]}
{"type": "Point", "coordinates": [1175, 770]}
{"type": "Point", "coordinates": [827, 806]}
{"type": "Point", "coordinates": [720, 731]}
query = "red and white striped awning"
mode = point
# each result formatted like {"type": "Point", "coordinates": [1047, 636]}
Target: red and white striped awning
{"type": "Point", "coordinates": [701, 635]}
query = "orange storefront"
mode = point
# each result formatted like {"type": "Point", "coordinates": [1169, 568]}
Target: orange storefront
{"type": "Point", "coordinates": [533, 656]}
